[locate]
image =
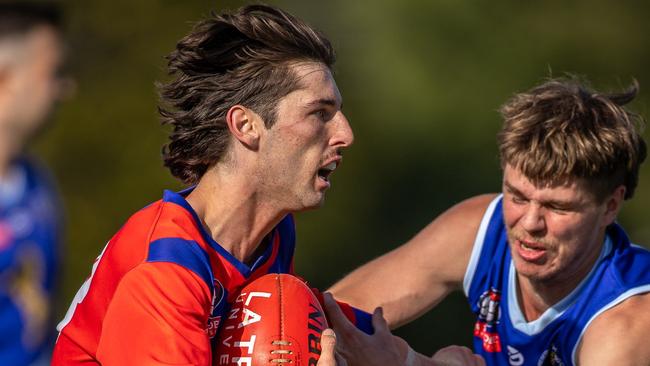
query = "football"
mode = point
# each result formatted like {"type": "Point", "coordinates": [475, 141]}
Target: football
{"type": "Point", "coordinates": [275, 320]}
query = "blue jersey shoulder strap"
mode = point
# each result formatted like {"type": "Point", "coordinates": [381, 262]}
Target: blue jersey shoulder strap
{"type": "Point", "coordinates": [489, 251]}
{"type": "Point", "coordinates": [186, 253]}
{"type": "Point", "coordinates": [623, 273]}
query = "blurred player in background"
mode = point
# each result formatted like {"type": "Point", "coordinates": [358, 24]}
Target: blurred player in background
{"type": "Point", "coordinates": [550, 275]}
{"type": "Point", "coordinates": [257, 130]}
{"type": "Point", "coordinates": [30, 218]}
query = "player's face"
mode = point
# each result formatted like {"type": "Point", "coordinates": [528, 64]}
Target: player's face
{"type": "Point", "coordinates": [305, 144]}
{"type": "Point", "coordinates": [555, 233]}
{"type": "Point", "coordinates": [33, 84]}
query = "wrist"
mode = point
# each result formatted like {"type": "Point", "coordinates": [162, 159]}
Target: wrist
{"type": "Point", "coordinates": [410, 357]}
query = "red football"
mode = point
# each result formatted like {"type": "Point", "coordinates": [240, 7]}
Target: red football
{"type": "Point", "coordinates": [276, 320]}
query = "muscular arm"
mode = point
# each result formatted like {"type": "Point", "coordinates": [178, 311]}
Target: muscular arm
{"type": "Point", "coordinates": [619, 336]}
{"type": "Point", "coordinates": [413, 278]}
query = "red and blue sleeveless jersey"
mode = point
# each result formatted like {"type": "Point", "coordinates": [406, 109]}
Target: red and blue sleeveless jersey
{"type": "Point", "coordinates": [159, 288]}
{"type": "Point", "coordinates": [503, 336]}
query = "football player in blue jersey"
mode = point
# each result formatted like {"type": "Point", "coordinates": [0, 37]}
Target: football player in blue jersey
{"type": "Point", "coordinates": [30, 83]}
{"type": "Point", "coordinates": [551, 276]}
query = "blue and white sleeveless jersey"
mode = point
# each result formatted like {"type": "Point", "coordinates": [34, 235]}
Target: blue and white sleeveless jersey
{"type": "Point", "coordinates": [30, 226]}
{"type": "Point", "coordinates": [501, 333]}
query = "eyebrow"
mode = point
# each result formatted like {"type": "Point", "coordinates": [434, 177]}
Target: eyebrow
{"type": "Point", "coordinates": [559, 203]}
{"type": "Point", "coordinates": [323, 101]}
{"type": "Point", "coordinates": [512, 189]}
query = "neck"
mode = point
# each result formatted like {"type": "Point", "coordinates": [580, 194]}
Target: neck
{"type": "Point", "coordinates": [233, 213]}
{"type": "Point", "coordinates": [538, 295]}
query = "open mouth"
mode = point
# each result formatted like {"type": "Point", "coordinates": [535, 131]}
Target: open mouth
{"type": "Point", "coordinates": [527, 246]}
{"type": "Point", "coordinates": [531, 251]}
{"type": "Point", "coordinates": [326, 171]}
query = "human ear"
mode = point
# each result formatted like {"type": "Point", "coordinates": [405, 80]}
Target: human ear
{"type": "Point", "coordinates": [613, 204]}
{"type": "Point", "coordinates": [243, 125]}
{"type": "Point", "coordinates": [5, 87]}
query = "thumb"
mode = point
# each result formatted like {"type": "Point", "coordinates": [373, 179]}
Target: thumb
{"type": "Point", "coordinates": [378, 321]}
{"type": "Point", "coordinates": [328, 344]}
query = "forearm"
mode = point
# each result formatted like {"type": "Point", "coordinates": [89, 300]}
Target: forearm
{"type": "Point", "coordinates": [416, 276]}
{"type": "Point", "coordinates": [401, 286]}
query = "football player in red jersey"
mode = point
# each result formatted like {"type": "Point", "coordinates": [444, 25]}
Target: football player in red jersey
{"type": "Point", "coordinates": [257, 130]}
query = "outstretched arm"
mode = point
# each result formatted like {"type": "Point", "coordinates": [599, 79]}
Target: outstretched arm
{"type": "Point", "coordinates": [619, 336]}
{"type": "Point", "coordinates": [413, 278]}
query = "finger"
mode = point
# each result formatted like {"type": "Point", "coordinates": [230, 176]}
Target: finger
{"type": "Point", "coordinates": [328, 345]}
{"type": "Point", "coordinates": [480, 361]}
{"type": "Point", "coordinates": [335, 315]}
{"type": "Point", "coordinates": [379, 322]}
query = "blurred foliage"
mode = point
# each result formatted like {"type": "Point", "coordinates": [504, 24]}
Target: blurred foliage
{"type": "Point", "coordinates": [421, 80]}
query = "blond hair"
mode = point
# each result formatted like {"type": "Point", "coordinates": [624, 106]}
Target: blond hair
{"type": "Point", "coordinates": [561, 131]}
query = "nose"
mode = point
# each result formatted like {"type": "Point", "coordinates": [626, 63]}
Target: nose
{"type": "Point", "coordinates": [533, 219]}
{"type": "Point", "coordinates": [343, 135]}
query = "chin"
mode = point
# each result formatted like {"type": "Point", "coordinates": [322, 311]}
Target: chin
{"type": "Point", "coordinates": [538, 274]}
{"type": "Point", "coordinates": [308, 203]}
{"type": "Point", "coordinates": [315, 204]}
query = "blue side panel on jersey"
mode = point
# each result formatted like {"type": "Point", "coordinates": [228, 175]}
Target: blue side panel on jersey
{"type": "Point", "coordinates": [186, 253]}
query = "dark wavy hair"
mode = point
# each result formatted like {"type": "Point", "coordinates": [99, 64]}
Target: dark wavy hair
{"type": "Point", "coordinates": [243, 57]}
{"type": "Point", "coordinates": [562, 130]}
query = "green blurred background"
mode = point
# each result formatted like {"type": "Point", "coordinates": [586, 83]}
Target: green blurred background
{"type": "Point", "coordinates": [421, 81]}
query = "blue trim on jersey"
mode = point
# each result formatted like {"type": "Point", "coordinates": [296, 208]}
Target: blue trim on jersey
{"type": "Point", "coordinates": [285, 229]}
{"type": "Point", "coordinates": [363, 321]}
{"type": "Point", "coordinates": [503, 337]}
{"type": "Point", "coordinates": [186, 253]}
{"type": "Point", "coordinates": [287, 232]}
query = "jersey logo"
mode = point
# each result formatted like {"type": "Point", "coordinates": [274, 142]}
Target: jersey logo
{"type": "Point", "coordinates": [550, 357]}
{"type": "Point", "coordinates": [515, 358]}
{"type": "Point", "coordinates": [218, 307]}
{"type": "Point", "coordinates": [488, 318]}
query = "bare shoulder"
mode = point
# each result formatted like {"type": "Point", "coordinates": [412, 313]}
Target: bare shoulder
{"type": "Point", "coordinates": [460, 221]}
{"type": "Point", "coordinates": [472, 209]}
{"type": "Point", "coordinates": [618, 336]}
